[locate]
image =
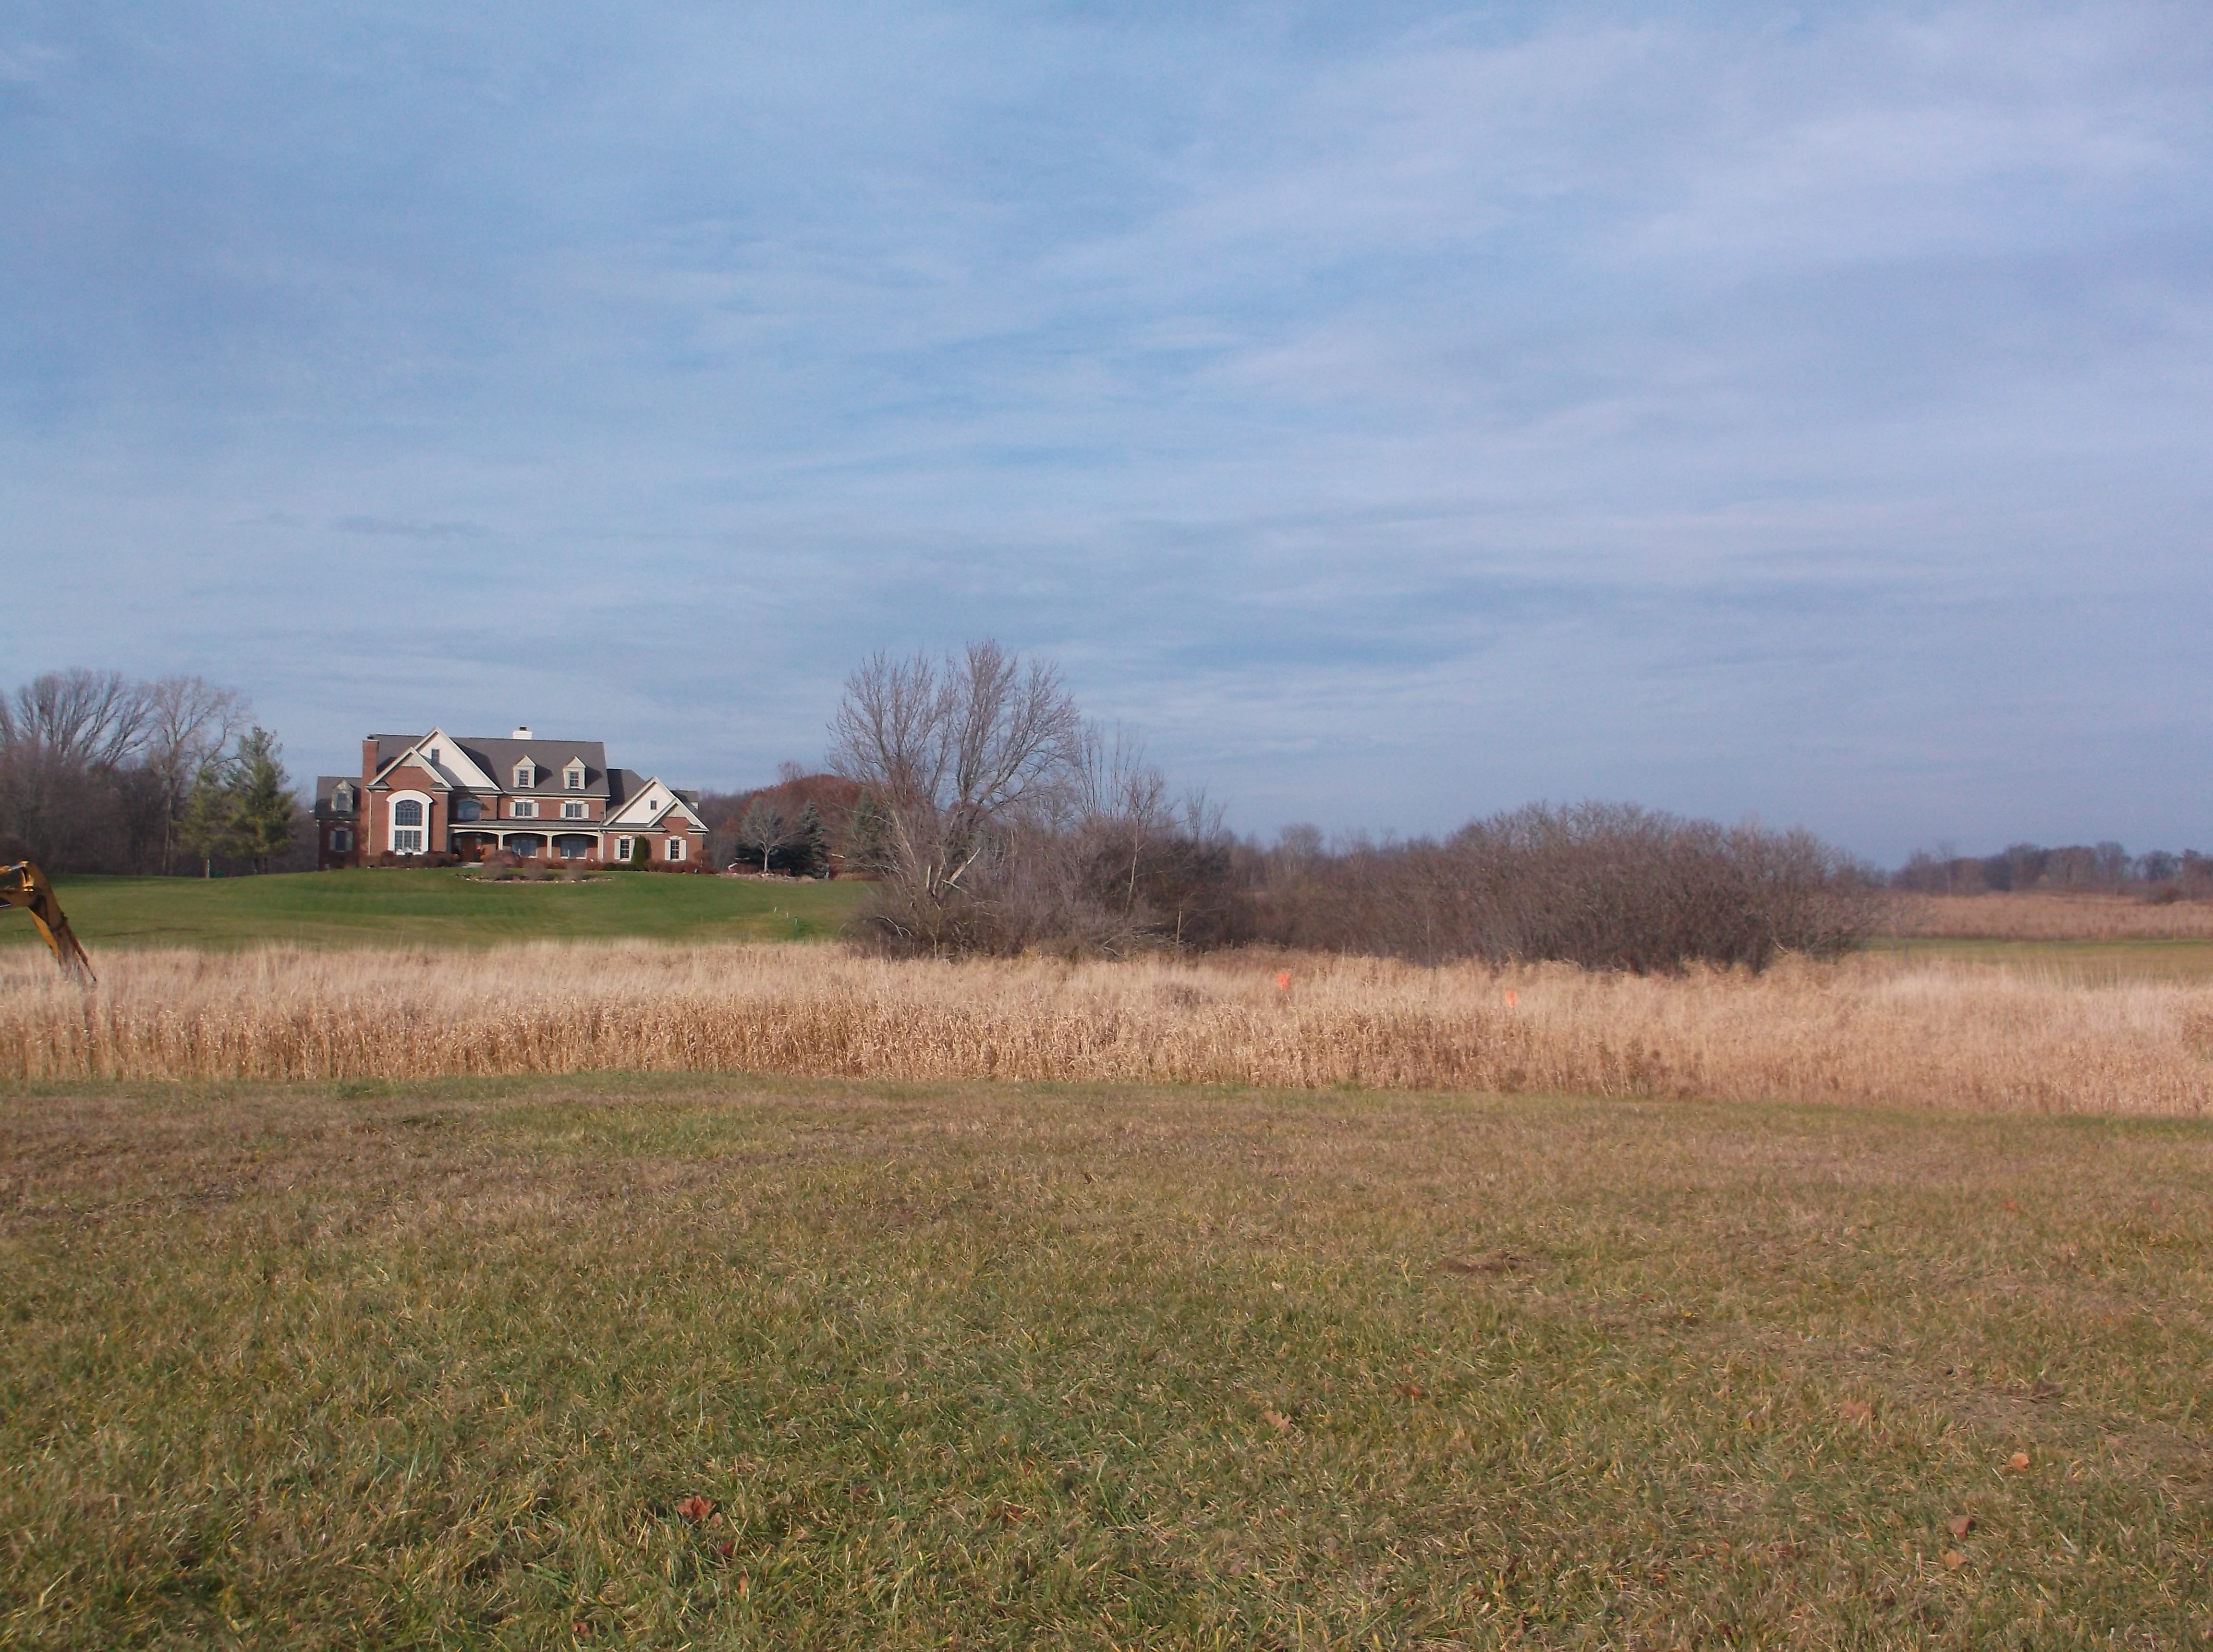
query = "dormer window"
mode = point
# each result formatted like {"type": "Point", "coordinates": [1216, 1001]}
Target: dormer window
{"type": "Point", "coordinates": [526, 772]}
{"type": "Point", "coordinates": [342, 798]}
{"type": "Point", "coordinates": [573, 777]}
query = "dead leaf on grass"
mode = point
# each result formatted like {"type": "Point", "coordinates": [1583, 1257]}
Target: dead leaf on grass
{"type": "Point", "coordinates": [2018, 1462]}
{"type": "Point", "coordinates": [1488, 1262]}
{"type": "Point", "coordinates": [1955, 1559]}
{"type": "Point", "coordinates": [1277, 1421]}
{"type": "Point", "coordinates": [1855, 1411]}
{"type": "Point", "coordinates": [1960, 1525]}
{"type": "Point", "coordinates": [1411, 1390]}
{"type": "Point", "coordinates": [696, 1508]}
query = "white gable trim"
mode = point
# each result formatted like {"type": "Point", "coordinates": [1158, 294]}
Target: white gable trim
{"type": "Point", "coordinates": [419, 751]}
{"type": "Point", "coordinates": [654, 803]}
{"type": "Point", "coordinates": [455, 761]}
{"type": "Point", "coordinates": [453, 767]}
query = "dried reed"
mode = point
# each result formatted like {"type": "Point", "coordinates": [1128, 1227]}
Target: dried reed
{"type": "Point", "coordinates": [1864, 1031]}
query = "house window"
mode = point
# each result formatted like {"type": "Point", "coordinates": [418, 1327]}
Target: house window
{"type": "Point", "coordinates": [341, 841]}
{"type": "Point", "coordinates": [525, 809]}
{"type": "Point", "coordinates": [575, 777]}
{"type": "Point", "coordinates": [574, 812]}
{"type": "Point", "coordinates": [342, 798]}
{"type": "Point", "coordinates": [622, 848]}
{"type": "Point", "coordinates": [525, 773]}
{"type": "Point", "coordinates": [468, 809]}
{"type": "Point", "coordinates": [676, 849]}
{"type": "Point", "coordinates": [408, 816]}
{"type": "Point", "coordinates": [434, 757]}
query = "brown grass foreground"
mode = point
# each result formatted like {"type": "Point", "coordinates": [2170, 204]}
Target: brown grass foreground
{"type": "Point", "coordinates": [1867, 1031]}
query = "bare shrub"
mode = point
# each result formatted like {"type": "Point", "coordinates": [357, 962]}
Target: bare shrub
{"type": "Point", "coordinates": [1608, 886]}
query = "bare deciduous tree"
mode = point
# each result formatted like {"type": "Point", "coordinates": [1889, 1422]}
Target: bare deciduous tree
{"type": "Point", "coordinates": [63, 736]}
{"type": "Point", "coordinates": [95, 769]}
{"type": "Point", "coordinates": [959, 754]}
{"type": "Point", "coordinates": [188, 721]}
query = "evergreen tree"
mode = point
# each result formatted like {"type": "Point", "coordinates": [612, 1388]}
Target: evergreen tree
{"type": "Point", "coordinates": [641, 853]}
{"type": "Point", "coordinates": [265, 817]}
{"type": "Point", "coordinates": [208, 826]}
{"type": "Point", "coordinates": [810, 850]}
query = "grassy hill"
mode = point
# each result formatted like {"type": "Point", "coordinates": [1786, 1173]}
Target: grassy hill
{"type": "Point", "coordinates": [436, 908]}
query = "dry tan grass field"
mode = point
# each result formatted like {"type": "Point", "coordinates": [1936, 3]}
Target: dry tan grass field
{"type": "Point", "coordinates": [1870, 1030]}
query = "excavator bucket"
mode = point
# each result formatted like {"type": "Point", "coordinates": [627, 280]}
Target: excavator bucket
{"type": "Point", "coordinates": [23, 885]}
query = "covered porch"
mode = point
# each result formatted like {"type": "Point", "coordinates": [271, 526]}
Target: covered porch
{"type": "Point", "coordinates": [474, 844]}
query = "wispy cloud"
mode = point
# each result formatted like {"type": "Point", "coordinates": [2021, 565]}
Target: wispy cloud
{"type": "Point", "coordinates": [402, 528]}
{"type": "Point", "coordinates": [1395, 409]}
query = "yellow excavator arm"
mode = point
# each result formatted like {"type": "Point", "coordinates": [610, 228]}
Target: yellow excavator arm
{"type": "Point", "coordinates": [23, 885]}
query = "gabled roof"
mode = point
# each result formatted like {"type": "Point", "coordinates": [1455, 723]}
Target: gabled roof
{"type": "Point", "coordinates": [498, 758]}
{"type": "Point", "coordinates": [327, 786]}
{"type": "Point", "coordinates": [454, 768]}
{"type": "Point", "coordinates": [643, 804]}
{"type": "Point", "coordinates": [480, 763]}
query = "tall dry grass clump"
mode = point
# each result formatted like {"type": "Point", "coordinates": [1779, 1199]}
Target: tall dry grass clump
{"type": "Point", "coordinates": [1865, 1030]}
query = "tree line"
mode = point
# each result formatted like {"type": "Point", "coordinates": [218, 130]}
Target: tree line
{"type": "Point", "coordinates": [998, 819]}
{"type": "Point", "coordinates": [100, 772]}
{"type": "Point", "coordinates": [992, 817]}
{"type": "Point", "coordinates": [2076, 869]}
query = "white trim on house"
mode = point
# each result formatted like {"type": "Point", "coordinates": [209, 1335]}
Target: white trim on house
{"type": "Point", "coordinates": [417, 841]}
{"type": "Point", "coordinates": [450, 767]}
{"type": "Point", "coordinates": [654, 803]}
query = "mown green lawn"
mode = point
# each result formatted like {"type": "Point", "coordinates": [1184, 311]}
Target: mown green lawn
{"type": "Point", "coordinates": [375, 908]}
{"type": "Point", "coordinates": [612, 1362]}
{"type": "Point", "coordinates": [2088, 961]}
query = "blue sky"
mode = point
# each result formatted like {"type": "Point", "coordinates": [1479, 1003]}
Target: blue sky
{"type": "Point", "coordinates": [1396, 412]}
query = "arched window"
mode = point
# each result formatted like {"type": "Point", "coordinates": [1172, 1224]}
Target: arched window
{"type": "Point", "coordinates": [342, 797]}
{"type": "Point", "coordinates": [468, 809]}
{"type": "Point", "coordinates": [407, 834]}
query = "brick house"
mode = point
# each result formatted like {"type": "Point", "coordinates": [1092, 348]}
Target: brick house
{"type": "Point", "coordinates": [462, 795]}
